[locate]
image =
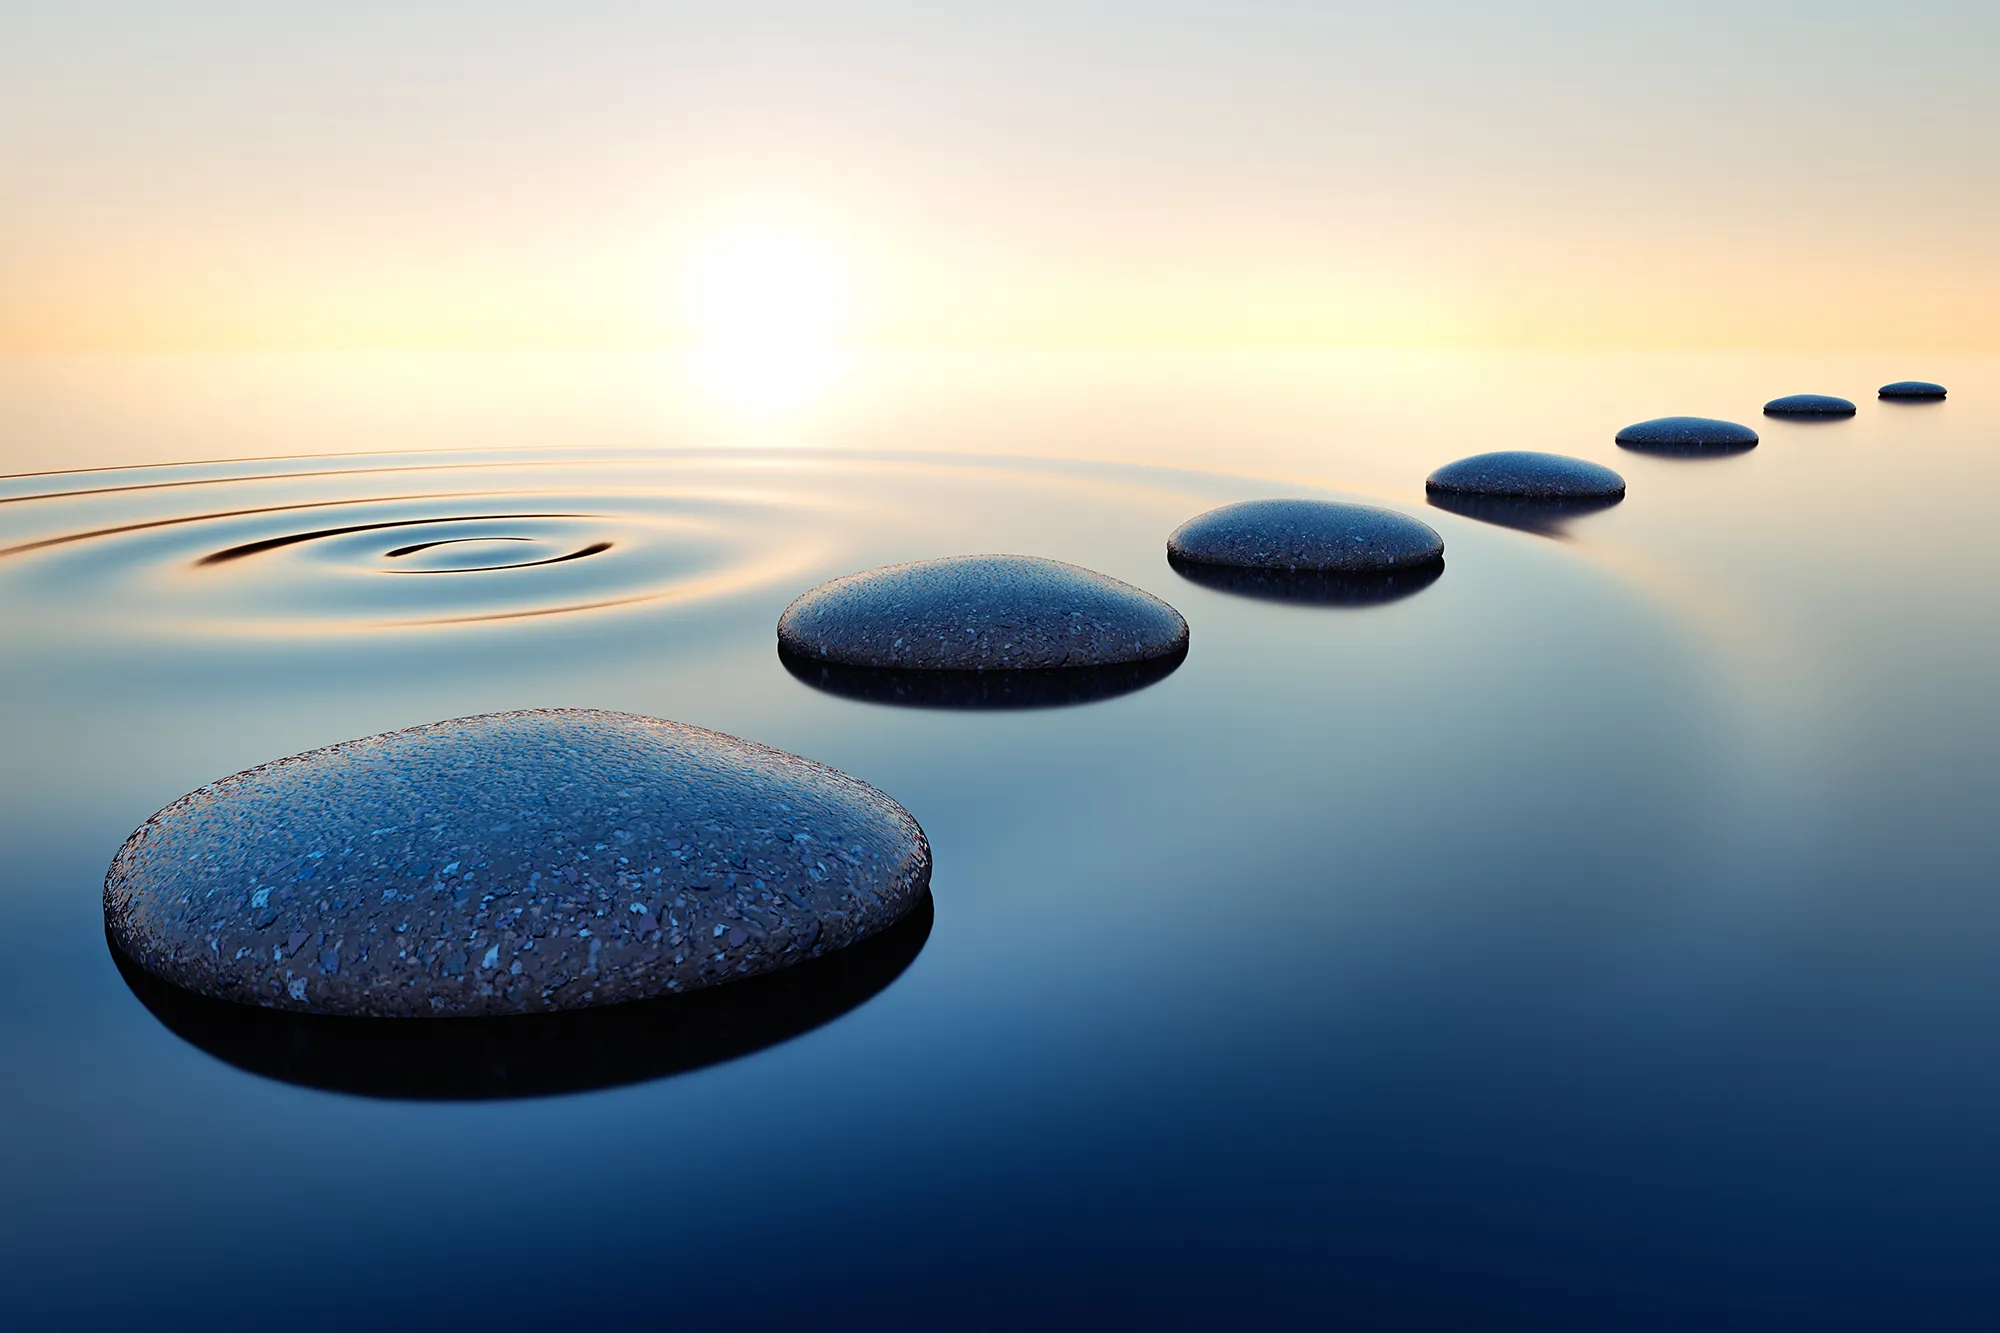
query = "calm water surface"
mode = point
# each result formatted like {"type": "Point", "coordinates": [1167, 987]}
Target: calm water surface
{"type": "Point", "coordinates": [1604, 935]}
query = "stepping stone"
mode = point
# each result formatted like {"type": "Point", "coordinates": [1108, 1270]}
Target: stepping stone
{"type": "Point", "coordinates": [980, 613]}
{"type": "Point", "coordinates": [1688, 435]}
{"type": "Point", "coordinates": [1809, 405]}
{"type": "Point", "coordinates": [513, 863]}
{"type": "Point", "coordinates": [980, 690]}
{"type": "Point", "coordinates": [1317, 536]}
{"type": "Point", "coordinates": [537, 1055]}
{"type": "Point", "coordinates": [1519, 475]}
{"type": "Point", "coordinates": [1310, 586]}
{"type": "Point", "coordinates": [1911, 389]}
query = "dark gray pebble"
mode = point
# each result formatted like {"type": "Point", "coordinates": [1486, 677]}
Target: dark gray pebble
{"type": "Point", "coordinates": [534, 1055]}
{"type": "Point", "coordinates": [1911, 389]}
{"type": "Point", "coordinates": [1520, 475]}
{"type": "Point", "coordinates": [981, 690]}
{"type": "Point", "coordinates": [980, 613]}
{"type": "Point", "coordinates": [1688, 435]}
{"type": "Point", "coordinates": [511, 863]}
{"type": "Point", "coordinates": [1310, 587]}
{"type": "Point", "coordinates": [1319, 536]}
{"type": "Point", "coordinates": [1809, 405]}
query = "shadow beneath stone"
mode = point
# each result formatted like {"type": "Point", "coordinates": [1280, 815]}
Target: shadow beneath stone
{"type": "Point", "coordinates": [1546, 517]}
{"type": "Point", "coordinates": [981, 689]}
{"type": "Point", "coordinates": [535, 1055]}
{"type": "Point", "coordinates": [1309, 587]}
{"type": "Point", "coordinates": [1662, 449]}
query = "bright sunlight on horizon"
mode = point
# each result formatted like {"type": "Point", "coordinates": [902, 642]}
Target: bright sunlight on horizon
{"type": "Point", "coordinates": [1438, 174]}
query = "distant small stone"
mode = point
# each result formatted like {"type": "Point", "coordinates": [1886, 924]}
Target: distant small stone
{"type": "Point", "coordinates": [1520, 475]}
{"type": "Point", "coordinates": [508, 864]}
{"type": "Point", "coordinates": [1317, 536]}
{"type": "Point", "coordinates": [1676, 435]}
{"type": "Point", "coordinates": [980, 613]}
{"type": "Point", "coordinates": [1911, 389]}
{"type": "Point", "coordinates": [1809, 405]}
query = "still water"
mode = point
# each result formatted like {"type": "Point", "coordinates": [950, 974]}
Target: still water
{"type": "Point", "coordinates": [1602, 935]}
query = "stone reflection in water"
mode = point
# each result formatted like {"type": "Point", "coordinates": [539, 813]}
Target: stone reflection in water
{"type": "Point", "coordinates": [1534, 492]}
{"type": "Point", "coordinates": [1312, 551]}
{"type": "Point", "coordinates": [1546, 516]}
{"type": "Point", "coordinates": [536, 1054]}
{"type": "Point", "coordinates": [975, 690]}
{"type": "Point", "coordinates": [1310, 587]}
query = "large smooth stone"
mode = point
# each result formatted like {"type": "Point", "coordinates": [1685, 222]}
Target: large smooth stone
{"type": "Point", "coordinates": [980, 613]}
{"type": "Point", "coordinates": [1521, 475]}
{"type": "Point", "coordinates": [535, 1055]}
{"type": "Point", "coordinates": [1317, 536]}
{"type": "Point", "coordinates": [1911, 389]}
{"type": "Point", "coordinates": [1688, 435]}
{"type": "Point", "coordinates": [511, 863]}
{"type": "Point", "coordinates": [1809, 405]}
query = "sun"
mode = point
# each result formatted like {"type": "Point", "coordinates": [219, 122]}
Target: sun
{"type": "Point", "coordinates": [768, 288]}
{"type": "Point", "coordinates": [768, 309]}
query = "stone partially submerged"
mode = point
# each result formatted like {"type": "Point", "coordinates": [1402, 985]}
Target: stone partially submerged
{"type": "Point", "coordinates": [1317, 536]}
{"type": "Point", "coordinates": [512, 863]}
{"type": "Point", "coordinates": [1688, 435]}
{"type": "Point", "coordinates": [980, 613]}
{"type": "Point", "coordinates": [1919, 389]}
{"type": "Point", "coordinates": [1532, 492]}
{"type": "Point", "coordinates": [1523, 475]}
{"type": "Point", "coordinates": [1809, 405]}
{"type": "Point", "coordinates": [535, 1055]}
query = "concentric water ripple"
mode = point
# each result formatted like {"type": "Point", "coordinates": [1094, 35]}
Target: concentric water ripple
{"type": "Point", "coordinates": [273, 549]}
{"type": "Point", "coordinates": [408, 541]}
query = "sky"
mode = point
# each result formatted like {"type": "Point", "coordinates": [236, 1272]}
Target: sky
{"type": "Point", "coordinates": [1256, 173]}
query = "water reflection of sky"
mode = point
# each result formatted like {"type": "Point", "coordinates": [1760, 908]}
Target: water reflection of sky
{"type": "Point", "coordinates": [1600, 931]}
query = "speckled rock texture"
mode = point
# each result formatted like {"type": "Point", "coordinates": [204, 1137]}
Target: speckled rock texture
{"type": "Point", "coordinates": [1306, 535]}
{"type": "Point", "coordinates": [1809, 405]}
{"type": "Point", "coordinates": [1060, 687]}
{"type": "Point", "coordinates": [1522, 475]}
{"type": "Point", "coordinates": [1688, 435]}
{"type": "Point", "coordinates": [535, 1055]}
{"type": "Point", "coordinates": [1310, 587]}
{"type": "Point", "coordinates": [512, 863]}
{"type": "Point", "coordinates": [980, 613]}
{"type": "Point", "coordinates": [1911, 389]}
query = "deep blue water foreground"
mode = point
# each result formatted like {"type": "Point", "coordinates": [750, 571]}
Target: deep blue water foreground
{"type": "Point", "coordinates": [1599, 936]}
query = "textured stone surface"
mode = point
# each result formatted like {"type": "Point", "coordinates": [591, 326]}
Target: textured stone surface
{"type": "Point", "coordinates": [1310, 587]}
{"type": "Point", "coordinates": [1522, 475]}
{"type": "Point", "coordinates": [1809, 405]}
{"type": "Point", "coordinates": [1306, 535]}
{"type": "Point", "coordinates": [1688, 435]}
{"type": "Point", "coordinates": [1911, 389]}
{"type": "Point", "coordinates": [531, 1055]}
{"type": "Point", "coordinates": [1055, 687]}
{"type": "Point", "coordinates": [1547, 517]}
{"type": "Point", "coordinates": [511, 863]}
{"type": "Point", "coordinates": [980, 613]}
